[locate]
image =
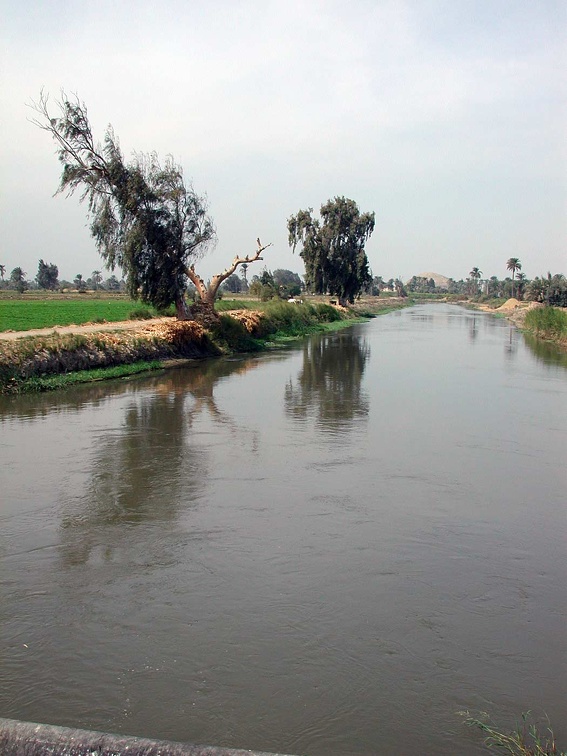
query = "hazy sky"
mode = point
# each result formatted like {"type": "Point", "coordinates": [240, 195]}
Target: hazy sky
{"type": "Point", "coordinates": [446, 118]}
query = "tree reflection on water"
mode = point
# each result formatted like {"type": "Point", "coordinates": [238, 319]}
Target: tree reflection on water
{"type": "Point", "coordinates": [148, 466]}
{"type": "Point", "coordinates": [329, 384]}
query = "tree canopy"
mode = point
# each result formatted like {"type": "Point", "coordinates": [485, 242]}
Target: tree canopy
{"type": "Point", "coordinates": [513, 264]}
{"type": "Point", "coordinates": [18, 280]}
{"type": "Point", "coordinates": [333, 248]}
{"type": "Point", "coordinates": [47, 275]}
{"type": "Point", "coordinates": [287, 282]}
{"type": "Point", "coordinates": [143, 217]}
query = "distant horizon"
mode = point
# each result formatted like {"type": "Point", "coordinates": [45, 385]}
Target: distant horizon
{"type": "Point", "coordinates": [447, 120]}
{"type": "Point", "coordinates": [106, 274]}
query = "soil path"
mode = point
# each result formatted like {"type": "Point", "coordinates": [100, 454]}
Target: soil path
{"type": "Point", "coordinates": [120, 325]}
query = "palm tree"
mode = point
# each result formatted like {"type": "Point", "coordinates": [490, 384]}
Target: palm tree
{"type": "Point", "coordinates": [521, 278]}
{"type": "Point", "coordinates": [514, 265]}
{"type": "Point", "coordinates": [96, 277]}
{"type": "Point", "coordinates": [475, 275]}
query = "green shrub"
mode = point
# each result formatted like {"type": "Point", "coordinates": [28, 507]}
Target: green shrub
{"type": "Point", "coordinates": [141, 313]}
{"type": "Point", "coordinates": [294, 319]}
{"type": "Point", "coordinates": [231, 334]}
{"type": "Point", "coordinates": [326, 313]}
{"type": "Point", "coordinates": [547, 321]}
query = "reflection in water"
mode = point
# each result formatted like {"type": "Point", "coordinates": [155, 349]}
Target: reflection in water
{"type": "Point", "coordinates": [511, 346]}
{"type": "Point", "coordinates": [473, 329]}
{"type": "Point", "coordinates": [66, 400]}
{"type": "Point", "coordinates": [158, 578]}
{"type": "Point", "coordinates": [545, 352]}
{"type": "Point", "coordinates": [329, 382]}
{"type": "Point", "coordinates": [147, 467]}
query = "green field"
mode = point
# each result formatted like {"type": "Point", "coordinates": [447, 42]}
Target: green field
{"type": "Point", "coordinates": [25, 314]}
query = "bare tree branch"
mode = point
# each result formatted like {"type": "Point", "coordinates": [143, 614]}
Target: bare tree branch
{"type": "Point", "coordinates": [208, 293]}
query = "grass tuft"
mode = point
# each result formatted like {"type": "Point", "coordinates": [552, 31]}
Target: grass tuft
{"type": "Point", "coordinates": [231, 336]}
{"type": "Point", "coordinates": [530, 738]}
{"type": "Point", "coordinates": [547, 322]}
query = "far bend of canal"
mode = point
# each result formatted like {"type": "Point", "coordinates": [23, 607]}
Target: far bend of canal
{"type": "Point", "coordinates": [327, 550]}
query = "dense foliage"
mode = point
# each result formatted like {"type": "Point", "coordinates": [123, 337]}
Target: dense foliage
{"type": "Point", "coordinates": [333, 249]}
{"type": "Point", "coordinates": [47, 276]}
{"type": "Point", "coordinates": [143, 217]}
{"type": "Point", "coordinates": [18, 280]}
{"type": "Point", "coordinates": [551, 290]}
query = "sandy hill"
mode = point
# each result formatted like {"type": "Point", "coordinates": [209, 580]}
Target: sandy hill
{"type": "Point", "coordinates": [440, 281]}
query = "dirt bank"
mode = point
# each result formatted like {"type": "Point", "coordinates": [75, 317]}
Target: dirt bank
{"type": "Point", "coordinates": [121, 325]}
{"type": "Point", "coordinates": [512, 309]}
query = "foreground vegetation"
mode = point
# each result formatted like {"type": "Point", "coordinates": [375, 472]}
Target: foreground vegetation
{"type": "Point", "coordinates": [548, 323]}
{"type": "Point", "coordinates": [39, 363]}
{"type": "Point", "coordinates": [530, 737]}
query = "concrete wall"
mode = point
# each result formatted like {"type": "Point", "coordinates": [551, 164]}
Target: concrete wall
{"type": "Point", "coordinates": [30, 739]}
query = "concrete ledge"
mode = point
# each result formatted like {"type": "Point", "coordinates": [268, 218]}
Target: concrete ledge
{"type": "Point", "coordinates": [31, 739]}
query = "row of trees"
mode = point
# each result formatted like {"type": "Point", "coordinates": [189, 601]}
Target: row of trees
{"type": "Point", "coordinates": [147, 222]}
{"type": "Point", "coordinates": [550, 289]}
{"type": "Point", "coordinates": [513, 265]}
{"type": "Point", "coordinates": [47, 278]}
{"type": "Point", "coordinates": [281, 283]}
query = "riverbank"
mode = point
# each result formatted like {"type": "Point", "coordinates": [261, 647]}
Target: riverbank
{"type": "Point", "coordinates": [543, 322]}
{"type": "Point", "coordinates": [52, 359]}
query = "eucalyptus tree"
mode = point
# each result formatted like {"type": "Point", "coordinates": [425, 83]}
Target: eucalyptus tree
{"type": "Point", "coordinates": [143, 217]}
{"type": "Point", "coordinates": [332, 248]}
{"type": "Point", "coordinates": [287, 282]}
{"type": "Point", "coordinates": [233, 284]}
{"type": "Point", "coordinates": [47, 275]}
{"type": "Point", "coordinates": [514, 265]}
{"type": "Point", "coordinates": [2, 271]}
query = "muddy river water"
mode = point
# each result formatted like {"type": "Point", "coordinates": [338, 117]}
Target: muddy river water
{"type": "Point", "coordinates": [327, 550]}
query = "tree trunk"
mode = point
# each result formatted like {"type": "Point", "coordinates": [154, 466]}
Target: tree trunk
{"type": "Point", "coordinates": [182, 311]}
{"type": "Point", "coordinates": [205, 309]}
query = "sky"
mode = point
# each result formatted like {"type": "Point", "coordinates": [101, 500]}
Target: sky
{"type": "Point", "coordinates": [446, 118]}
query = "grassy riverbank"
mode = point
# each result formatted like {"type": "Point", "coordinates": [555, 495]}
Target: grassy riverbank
{"type": "Point", "coordinates": [549, 323]}
{"type": "Point", "coordinates": [41, 363]}
{"type": "Point", "coordinates": [542, 321]}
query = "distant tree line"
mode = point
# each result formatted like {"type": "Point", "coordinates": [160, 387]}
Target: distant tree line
{"type": "Point", "coordinates": [47, 279]}
{"type": "Point", "coordinates": [280, 283]}
{"type": "Point", "coordinates": [147, 222]}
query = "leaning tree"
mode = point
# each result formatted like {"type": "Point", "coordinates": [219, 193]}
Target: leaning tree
{"type": "Point", "coordinates": [143, 217]}
{"type": "Point", "coordinates": [333, 248]}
